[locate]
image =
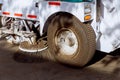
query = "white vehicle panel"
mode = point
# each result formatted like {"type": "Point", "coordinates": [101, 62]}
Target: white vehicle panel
{"type": "Point", "coordinates": [110, 26]}
{"type": "Point", "coordinates": [27, 9]}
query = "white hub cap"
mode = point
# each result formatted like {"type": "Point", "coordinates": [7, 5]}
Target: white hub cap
{"type": "Point", "coordinates": [66, 42]}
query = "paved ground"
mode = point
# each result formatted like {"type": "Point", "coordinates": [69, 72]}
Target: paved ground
{"type": "Point", "coordinates": [14, 66]}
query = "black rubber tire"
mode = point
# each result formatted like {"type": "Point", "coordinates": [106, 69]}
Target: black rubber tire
{"type": "Point", "coordinates": [85, 36]}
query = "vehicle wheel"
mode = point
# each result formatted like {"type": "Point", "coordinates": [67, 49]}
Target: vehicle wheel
{"type": "Point", "coordinates": [70, 41]}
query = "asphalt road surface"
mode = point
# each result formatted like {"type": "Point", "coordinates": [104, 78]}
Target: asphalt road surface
{"type": "Point", "coordinates": [16, 66]}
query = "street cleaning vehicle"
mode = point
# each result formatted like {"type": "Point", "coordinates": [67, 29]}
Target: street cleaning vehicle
{"type": "Point", "coordinates": [70, 29]}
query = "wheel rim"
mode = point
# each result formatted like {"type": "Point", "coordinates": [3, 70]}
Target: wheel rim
{"type": "Point", "coordinates": [66, 42]}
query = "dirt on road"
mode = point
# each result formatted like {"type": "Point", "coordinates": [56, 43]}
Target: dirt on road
{"type": "Point", "coordinates": [16, 66]}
